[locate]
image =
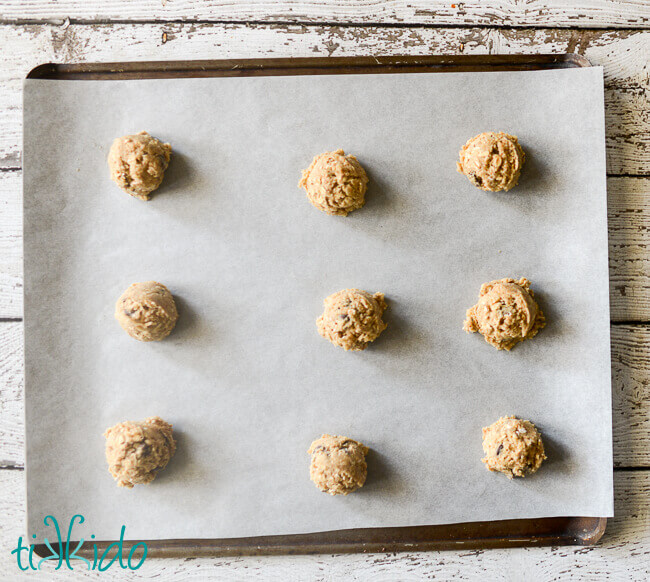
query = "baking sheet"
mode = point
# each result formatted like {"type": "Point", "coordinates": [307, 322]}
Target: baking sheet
{"type": "Point", "coordinates": [245, 378]}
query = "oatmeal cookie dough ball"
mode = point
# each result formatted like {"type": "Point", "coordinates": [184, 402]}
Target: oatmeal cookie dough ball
{"type": "Point", "coordinates": [335, 183]}
{"type": "Point", "coordinates": [135, 451]}
{"type": "Point", "coordinates": [146, 311]}
{"type": "Point", "coordinates": [506, 313]}
{"type": "Point", "coordinates": [138, 163]}
{"type": "Point", "coordinates": [338, 464]}
{"type": "Point", "coordinates": [492, 161]}
{"type": "Point", "coordinates": [352, 318]}
{"type": "Point", "coordinates": [513, 447]}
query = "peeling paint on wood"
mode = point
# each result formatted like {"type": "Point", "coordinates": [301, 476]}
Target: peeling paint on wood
{"type": "Point", "coordinates": [560, 13]}
{"type": "Point", "coordinates": [622, 53]}
{"type": "Point", "coordinates": [292, 29]}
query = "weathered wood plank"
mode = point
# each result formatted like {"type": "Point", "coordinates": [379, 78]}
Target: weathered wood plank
{"type": "Point", "coordinates": [630, 388]}
{"type": "Point", "coordinates": [625, 551]}
{"type": "Point", "coordinates": [12, 422]}
{"type": "Point", "coordinates": [11, 245]}
{"type": "Point", "coordinates": [588, 13]}
{"type": "Point", "coordinates": [623, 55]}
{"type": "Point", "coordinates": [629, 241]}
{"type": "Point", "coordinates": [628, 201]}
{"type": "Point", "coordinates": [631, 395]}
{"type": "Point", "coordinates": [622, 554]}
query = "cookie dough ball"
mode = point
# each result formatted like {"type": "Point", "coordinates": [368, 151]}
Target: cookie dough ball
{"type": "Point", "coordinates": [513, 447]}
{"type": "Point", "coordinates": [138, 163]}
{"type": "Point", "coordinates": [146, 311]}
{"type": "Point", "coordinates": [492, 161]}
{"type": "Point", "coordinates": [135, 451]}
{"type": "Point", "coordinates": [506, 313]}
{"type": "Point", "coordinates": [338, 464]}
{"type": "Point", "coordinates": [335, 183]}
{"type": "Point", "coordinates": [352, 318]}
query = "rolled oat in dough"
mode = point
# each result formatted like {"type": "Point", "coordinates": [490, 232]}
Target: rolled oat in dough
{"type": "Point", "coordinates": [338, 464]}
{"type": "Point", "coordinates": [335, 183]}
{"type": "Point", "coordinates": [352, 318]}
{"type": "Point", "coordinates": [513, 447]}
{"type": "Point", "coordinates": [136, 451]}
{"type": "Point", "coordinates": [492, 161]}
{"type": "Point", "coordinates": [138, 163]}
{"type": "Point", "coordinates": [506, 313]}
{"type": "Point", "coordinates": [146, 311]}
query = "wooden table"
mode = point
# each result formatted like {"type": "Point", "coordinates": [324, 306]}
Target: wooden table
{"type": "Point", "coordinates": [611, 33]}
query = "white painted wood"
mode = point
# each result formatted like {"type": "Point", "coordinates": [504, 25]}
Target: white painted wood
{"type": "Point", "coordinates": [587, 13]}
{"type": "Point", "coordinates": [629, 245]}
{"type": "Point", "coordinates": [11, 246]}
{"type": "Point", "coordinates": [630, 388]}
{"type": "Point", "coordinates": [629, 241]}
{"type": "Point", "coordinates": [631, 395]}
{"type": "Point", "coordinates": [12, 421]}
{"type": "Point", "coordinates": [622, 555]}
{"type": "Point", "coordinates": [624, 55]}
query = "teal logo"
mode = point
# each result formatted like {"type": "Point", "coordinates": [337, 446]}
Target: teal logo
{"type": "Point", "coordinates": [65, 555]}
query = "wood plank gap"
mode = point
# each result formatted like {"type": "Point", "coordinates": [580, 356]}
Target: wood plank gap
{"type": "Point", "coordinates": [305, 23]}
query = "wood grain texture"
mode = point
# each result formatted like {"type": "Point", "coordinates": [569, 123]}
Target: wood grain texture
{"type": "Point", "coordinates": [629, 243]}
{"type": "Point", "coordinates": [587, 13]}
{"type": "Point", "coordinates": [11, 245]}
{"type": "Point", "coordinates": [12, 421]}
{"type": "Point", "coordinates": [623, 54]}
{"type": "Point", "coordinates": [631, 395]}
{"type": "Point", "coordinates": [628, 202]}
{"type": "Point", "coordinates": [622, 554]}
{"type": "Point", "coordinates": [630, 400]}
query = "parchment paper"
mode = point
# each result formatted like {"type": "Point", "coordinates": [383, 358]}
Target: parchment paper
{"type": "Point", "coordinates": [245, 378]}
